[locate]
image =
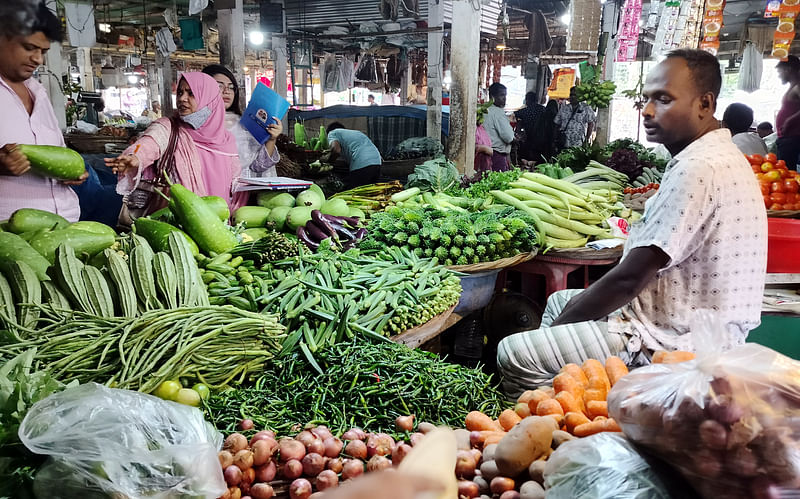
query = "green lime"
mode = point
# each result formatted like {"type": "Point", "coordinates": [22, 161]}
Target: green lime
{"type": "Point", "coordinates": [202, 390]}
{"type": "Point", "coordinates": [168, 390]}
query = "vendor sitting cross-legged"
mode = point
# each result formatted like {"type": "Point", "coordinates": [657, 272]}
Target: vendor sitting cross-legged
{"type": "Point", "coordinates": [701, 245]}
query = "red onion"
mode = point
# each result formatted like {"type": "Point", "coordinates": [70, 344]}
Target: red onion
{"type": "Point", "coordinates": [300, 489]}
{"type": "Point", "coordinates": [292, 469]}
{"type": "Point", "coordinates": [327, 480]}
{"type": "Point", "coordinates": [233, 475]}
{"type": "Point", "coordinates": [267, 472]}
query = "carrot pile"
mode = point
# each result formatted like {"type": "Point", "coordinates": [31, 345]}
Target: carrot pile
{"type": "Point", "coordinates": [577, 400]}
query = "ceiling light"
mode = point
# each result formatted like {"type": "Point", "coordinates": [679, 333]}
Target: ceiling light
{"type": "Point", "coordinates": [602, 2]}
{"type": "Point", "coordinates": [133, 79]}
{"type": "Point", "coordinates": [245, 69]}
{"type": "Point", "coordinates": [256, 37]}
{"type": "Point", "coordinates": [104, 27]}
{"type": "Point", "coordinates": [565, 19]}
{"type": "Point", "coordinates": [501, 46]}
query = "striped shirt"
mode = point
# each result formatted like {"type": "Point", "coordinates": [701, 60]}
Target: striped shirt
{"type": "Point", "coordinates": [40, 127]}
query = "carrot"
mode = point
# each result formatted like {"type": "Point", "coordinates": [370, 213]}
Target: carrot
{"type": "Point", "coordinates": [508, 419]}
{"type": "Point", "coordinates": [575, 419]}
{"type": "Point", "coordinates": [486, 435]}
{"type": "Point", "coordinates": [566, 383]}
{"type": "Point", "coordinates": [526, 396]}
{"type": "Point", "coordinates": [596, 372]}
{"type": "Point", "coordinates": [663, 357]}
{"type": "Point", "coordinates": [596, 408]}
{"type": "Point", "coordinates": [539, 396]}
{"type": "Point", "coordinates": [615, 369]}
{"type": "Point", "coordinates": [576, 372]}
{"type": "Point", "coordinates": [593, 394]}
{"type": "Point", "coordinates": [478, 421]}
{"type": "Point", "coordinates": [587, 429]}
{"type": "Point", "coordinates": [549, 391]}
{"type": "Point", "coordinates": [548, 407]}
{"type": "Point", "coordinates": [568, 402]}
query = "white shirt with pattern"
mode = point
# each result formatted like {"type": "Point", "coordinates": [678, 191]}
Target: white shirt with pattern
{"type": "Point", "coordinates": [709, 218]}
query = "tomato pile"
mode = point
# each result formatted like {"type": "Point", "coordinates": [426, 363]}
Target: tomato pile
{"type": "Point", "coordinates": [634, 190]}
{"type": "Point", "coordinates": [779, 186]}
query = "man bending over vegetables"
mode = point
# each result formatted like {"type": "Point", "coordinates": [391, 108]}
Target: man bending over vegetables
{"type": "Point", "coordinates": [28, 118]}
{"type": "Point", "coordinates": [701, 244]}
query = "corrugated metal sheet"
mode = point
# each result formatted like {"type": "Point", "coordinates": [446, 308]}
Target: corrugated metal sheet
{"type": "Point", "coordinates": [312, 14]}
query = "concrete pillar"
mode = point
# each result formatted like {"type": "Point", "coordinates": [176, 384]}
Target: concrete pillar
{"type": "Point", "coordinates": [435, 70]}
{"type": "Point", "coordinates": [281, 64]}
{"type": "Point", "coordinates": [464, 55]}
{"type": "Point", "coordinates": [84, 60]}
{"type": "Point", "coordinates": [230, 23]}
{"type": "Point", "coordinates": [154, 86]}
{"type": "Point", "coordinates": [165, 77]}
{"type": "Point", "coordinates": [55, 63]}
{"type": "Point", "coordinates": [602, 134]}
{"type": "Point", "coordinates": [405, 81]}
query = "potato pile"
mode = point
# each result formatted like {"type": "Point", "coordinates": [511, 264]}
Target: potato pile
{"type": "Point", "coordinates": [731, 425]}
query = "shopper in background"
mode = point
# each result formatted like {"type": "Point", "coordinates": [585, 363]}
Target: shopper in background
{"type": "Point", "coordinates": [738, 118]}
{"type": "Point", "coordinates": [546, 132]}
{"type": "Point", "coordinates": [362, 157]}
{"type": "Point", "coordinates": [256, 160]}
{"type": "Point", "coordinates": [205, 158]}
{"type": "Point", "coordinates": [371, 100]}
{"type": "Point", "coordinates": [575, 122]}
{"type": "Point", "coordinates": [499, 128]}
{"type": "Point", "coordinates": [155, 110]}
{"type": "Point", "coordinates": [764, 128]}
{"type": "Point", "coordinates": [527, 119]}
{"type": "Point", "coordinates": [701, 245]}
{"type": "Point", "coordinates": [483, 145]}
{"type": "Point", "coordinates": [28, 117]}
{"type": "Point", "coordinates": [787, 121]}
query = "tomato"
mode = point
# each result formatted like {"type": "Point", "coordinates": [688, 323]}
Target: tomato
{"type": "Point", "coordinates": [796, 206]}
{"type": "Point", "coordinates": [771, 157]}
{"type": "Point", "coordinates": [764, 188]}
{"type": "Point", "coordinates": [767, 200]}
{"type": "Point", "coordinates": [168, 390]}
{"type": "Point", "coordinates": [767, 166]}
{"type": "Point", "coordinates": [780, 164]}
{"type": "Point", "coordinates": [772, 176]}
{"type": "Point", "coordinates": [791, 174]}
{"type": "Point", "coordinates": [776, 186]}
{"type": "Point", "coordinates": [791, 197]}
{"type": "Point", "coordinates": [790, 185]}
{"type": "Point", "coordinates": [755, 159]}
{"type": "Point", "coordinates": [775, 207]}
{"type": "Point", "coordinates": [778, 197]}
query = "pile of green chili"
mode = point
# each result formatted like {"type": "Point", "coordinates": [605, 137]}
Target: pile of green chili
{"type": "Point", "coordinates": [363, 385]}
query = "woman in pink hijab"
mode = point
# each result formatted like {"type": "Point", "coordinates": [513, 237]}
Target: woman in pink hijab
{"type": "Point", "coordinates": [206, 159]}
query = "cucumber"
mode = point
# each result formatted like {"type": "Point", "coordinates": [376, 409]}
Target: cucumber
{"type": "Point", "coordinates": [79, 240]}
{"type": "Point", "coordinates": [54, 161]}
{"type": "Point", "coordinates": [31, 219]}
{"type": "Point", "coordinates": [202, 225]}
{"type": "Point", "coordinates": [156, 233]}
{"type": "Point", "coordinates": [94, 228]}
{"type": "Point", "coordinates": [13, 248]}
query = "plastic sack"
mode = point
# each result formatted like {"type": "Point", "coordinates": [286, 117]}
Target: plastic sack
{"type": "Point", "coordinates": [729, 421]}
{"type": "Point", "coordinates": [108, 442]}
{"type": "Point", "coordinates": [601, 466]}
{"type": "Point", "coordinates": [751, 69]}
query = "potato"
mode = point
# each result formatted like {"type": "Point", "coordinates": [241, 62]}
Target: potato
{"type": "Point", "coordinates": [559, 437]}
{"type": "Point", "coordinates": [489, 470]}
{"type": "Point", "coordinates": [525, 443]}
{"type": "Point", "coordinates": [488, 452]}
{"type": "Point", "coordinates": [462, 437]}
{"type": "Point", "coordinates": [536, 470]}
{"type": "Point", "coordinates": [531, 490]}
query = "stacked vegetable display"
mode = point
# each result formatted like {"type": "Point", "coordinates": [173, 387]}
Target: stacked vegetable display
{"type": "Point", "coordinates": [454, 237]}
{"type": "Point", "coordinates": [779, 186]}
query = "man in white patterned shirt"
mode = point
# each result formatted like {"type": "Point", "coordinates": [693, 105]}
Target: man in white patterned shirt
{"type": "Point", "coordinates": [700, 246]}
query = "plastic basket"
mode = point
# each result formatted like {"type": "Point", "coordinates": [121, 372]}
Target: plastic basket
{"type": "Point", "coordinates": [783, 246]}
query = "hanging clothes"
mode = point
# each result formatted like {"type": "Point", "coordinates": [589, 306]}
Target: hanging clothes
{"type": "Point", "coordinates": [394, 72]}
{"type": "Point", "coordinates": [539, 40]}
{"type": "Point", "coordinates": [367, 70]}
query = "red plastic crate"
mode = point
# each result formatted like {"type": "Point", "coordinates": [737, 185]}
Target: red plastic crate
{"type": "Point", "coordinates": [783, 246]}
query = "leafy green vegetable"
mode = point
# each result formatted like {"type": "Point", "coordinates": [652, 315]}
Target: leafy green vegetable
{"type": "Point", "coordinates": [434, 175]}
{"type": "Point", "coordinates": [19, 390]}
{"type": "Point", "coordinates": [488, 181]}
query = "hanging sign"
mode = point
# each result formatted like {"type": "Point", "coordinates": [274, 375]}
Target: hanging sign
{"type": "Point", "coordinates": [628, 33]}
{"type": "Point", "coordinates": [563, 81]}
{"type": "Point", "coordinates": [712, 25]}
{"type": "Point", "coordinates": [785, 32]}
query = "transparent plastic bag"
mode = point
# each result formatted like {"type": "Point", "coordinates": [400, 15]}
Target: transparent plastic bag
{"type": "Point", "coordinates": [107, 442]}
{"type": "Point", "coordinates": [729, 421]}
{"type": "Point", "coordinates": [601, 466]}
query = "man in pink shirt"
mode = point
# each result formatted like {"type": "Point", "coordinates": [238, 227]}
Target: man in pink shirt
{"type": "Point", "coordinates": [28, 116]}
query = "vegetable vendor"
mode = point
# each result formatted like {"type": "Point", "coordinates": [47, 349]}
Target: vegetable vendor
{"type": "Point", "coordinates": [362, 157]}
{"type": "Point", "coordinates": [25, 37]}
{"type": "Point", "coordinates": [205, 157]}
{"type": "Point", "coordinates": [701, 244]}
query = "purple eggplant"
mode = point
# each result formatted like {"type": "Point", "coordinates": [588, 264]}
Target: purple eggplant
{"type": "Point", "coordinates": [350, 222]}
{"type": "Point", "coordinates": [315, 232]}
{"type": "Point", "coordinates": [303, 236]}
{"type": "Point", "coordinates": [323, 224]}
{"type": "Point", "coordinates": [361, 234]}
{"type": "Point", "coordinates": [344, 231]}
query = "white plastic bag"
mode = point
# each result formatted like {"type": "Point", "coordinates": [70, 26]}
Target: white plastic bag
{"type": "Point", "coordinates": [751, 69]}
{"type": "Point", "coordinates": [108, 442]}
{"type": "Point", "coordinates": [601, 466]}
{"type": "Point", "coordinates": [729, 421]}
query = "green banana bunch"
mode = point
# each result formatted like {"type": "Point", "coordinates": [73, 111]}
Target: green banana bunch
{"type": "Point", "coordinates": [597, 94]}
